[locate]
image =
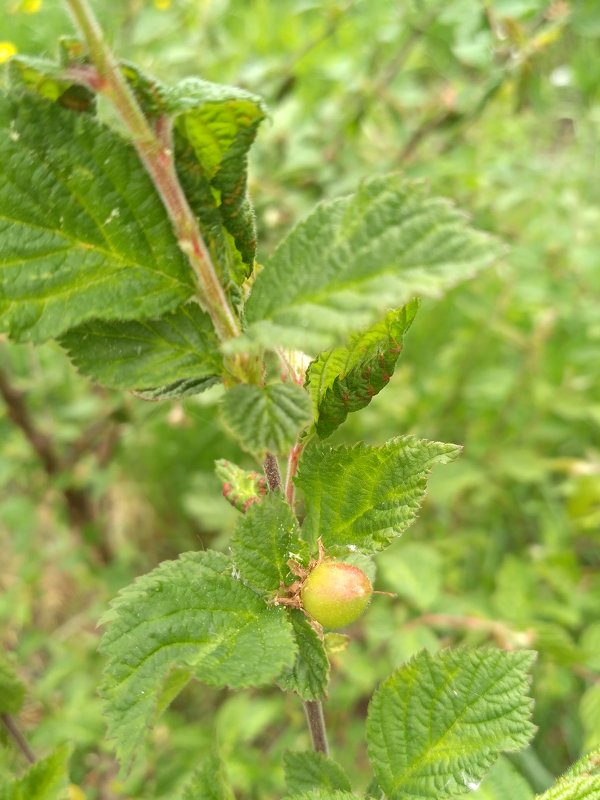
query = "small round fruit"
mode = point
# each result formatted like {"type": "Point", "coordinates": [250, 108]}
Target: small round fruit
{"type": "Point", "coordinates": [336, 594]}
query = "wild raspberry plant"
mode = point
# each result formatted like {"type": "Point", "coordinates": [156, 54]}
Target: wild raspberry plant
{"type": "Point", "coordinates": [135, 249]}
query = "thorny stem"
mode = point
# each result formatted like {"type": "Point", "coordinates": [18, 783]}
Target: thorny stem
{"type": "Point", "coordinates": [17, 737]}
{"type": "Point", "coordinates": [156, 153]}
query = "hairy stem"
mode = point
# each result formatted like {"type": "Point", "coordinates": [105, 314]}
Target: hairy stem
{"type": "Point", "coordinates": [292, 467]}
{"type": "Point", "coordinates": [316, 724]}
{"type": "Point", "coordinates": [17, 737]}
{"type": "Point", "coordinates": [155, 149]}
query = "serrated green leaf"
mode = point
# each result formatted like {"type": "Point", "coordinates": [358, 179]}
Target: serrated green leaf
{"type": "Point", "coordinates": [355, 257]}
{"type": "Point", "coordinates": [437, 725]}
{"type": "Point", "coordinates": [189, 614]}
{"type": "Point", "coordinates": [178, 351]}
{"type": "Point", "coordinates": [362, 497]}
{"type": "Point", "coordinates": [346, 379]}
{"type": "Point", "coordinates": [502, 782]}
{"type": "Point", "coordinates": [12, 689]}
{"type": "Point", "coordinates": [309, 674]}
{"type": "Point", "coordinates": [580, 782]}
{"type": "Point", "coordinates": [45, 780]}
{"type": "Point", "coordinates": [208, 782]}
{"type": "Point", "coordinates": [93, 240]}
{"type": "Point", "coordinates": [267, 418]}
{"type": "Point", "coordinates": [46, 78]}
{"type": "Point", "coordinates": [215, 127]}
{"type": "Point", "coordinates": [308, 770]}
{"type": "Point", "coordinates": [265, 538]}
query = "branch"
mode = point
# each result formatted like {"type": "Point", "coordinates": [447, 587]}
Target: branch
{"type": "Point", "coordinates": [17, 737]}
{"type": "Point", "coordinates": [155, 150]}
{"type": "Point", "coordinates": [316, 724]}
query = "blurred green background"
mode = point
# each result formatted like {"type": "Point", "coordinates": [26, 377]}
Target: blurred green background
{"type": "Point", "coordinates": [495, 104]}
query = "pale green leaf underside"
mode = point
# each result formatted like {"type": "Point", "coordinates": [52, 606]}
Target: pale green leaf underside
{"type": "Point", "coordinates": [208, 782]}
{"type": "Point", "coordinates": [309, 674]}
{"type": "Point", "coordinates": [362, 497]}
{"type": "Point", "coordinates": [179, 348]}
{"type": "Point", "coordinates": [45, 780]}
{"type": "Point", "coordinates": [308, 770]}
{"type": "Point", "coordinates": [190, 614]}
{"type": "Point", "coordinates": [267, 418]}
{"type": "Point", "coordinates": [437, 725]}
{"type": "Point", "coordinates": [12, 689]}
{"type": "Point", "coordinates": [502, 782]}
{"type": "Point", "coordinates": [346, 379]}
{"type": "Point", "coordinates": [265, 538]}
{"type": "Point", "coordinates": [355, 257]}
{"type": "Point", "coordinates": [84, 234]}
{"type": "Point", "coordinates": [580, 782]}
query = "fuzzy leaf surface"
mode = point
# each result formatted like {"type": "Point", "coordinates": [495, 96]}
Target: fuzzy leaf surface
{"type": "Point", "coordinates": [93, 240]}
{"type": "Point", "coordinates": [267, 418]}
{"type": "Point", "coordinates": [346, 379]}
{"type": "Point", "coordinates": [208, 782]}
{"type": "Point", "coordinates": [309, 674]}
{"type": "Point", "coordinates": [580, 782]}
{"type": "Point", "coordinates": [355, 257]}
{"type": "Point", "coordinates": [45, 780]}
{"type": "Point", "coordinates": [12, 689]}
{"type": "Point", "coordinates": [263, 541]}
{"type": "Point", "coordinates": [307, 770]}
{"type": "Point", "coordinates": [503, 781]}
{"type": "Point", "coordinates": [177, 350]}
{"type": "Point", "coordinates": [437, 725]}
{"type": "Point", "coordinates": [365, 496]}
{"type": "Point", "coordinates": [186, 614]}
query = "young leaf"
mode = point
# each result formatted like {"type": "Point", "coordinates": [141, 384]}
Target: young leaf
{"type": "Point", "coordinates": [265, 538]}
{"type": "Point", "coordinates": [179, 350]}
{"type": "Point", "coordinates": [188, 614]}
{"type": "Point", "coordinates": [580, 782]}
{"type": "Point", "coordinates": [240, 487]}
{"type": "Point", "coordinates": [45, 780]}
{"type": "Point", "coordinates": [308, 770]}
{"type": "Point", "coordinates": [208, 782]}
{"type": "Point", "coordinates": [93, 240]}
{"type": "Point", "coordinates": [362, 497]}
{"type": "Point", "coordinates": [12, 689]}
{"type": "Point", "coordinates": [355, 257]}
{"type": "Point", "coordinates": [309, 674]}
{"type": "Point", "coordinates": [267, 418]}
{"type": "Point", "coordinates": [437, 725]}
{"type": "Point", "coordinates": [215, 127]}
{"type": "Point", "coordinates": [347, 378]}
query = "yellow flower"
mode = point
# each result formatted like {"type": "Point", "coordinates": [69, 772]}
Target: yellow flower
{"type": "Point", "coordinates": [162, 5]}
{"type": "Point", "coordinates": [31, 6]}
{"type": "Point", "coordinates": [75, 793]}
{"type": "Point", "coordinates": [7, 50]}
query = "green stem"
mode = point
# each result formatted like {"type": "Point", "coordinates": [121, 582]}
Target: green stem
{"type": "Point", "coordinates": [155, 150]}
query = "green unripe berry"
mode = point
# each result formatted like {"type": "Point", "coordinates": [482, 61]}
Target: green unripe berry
{"type": "Point", "coordinates": [336, 594]}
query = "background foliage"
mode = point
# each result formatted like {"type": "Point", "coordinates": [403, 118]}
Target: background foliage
{"type": "Point", "coordinates": [496, 104]}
